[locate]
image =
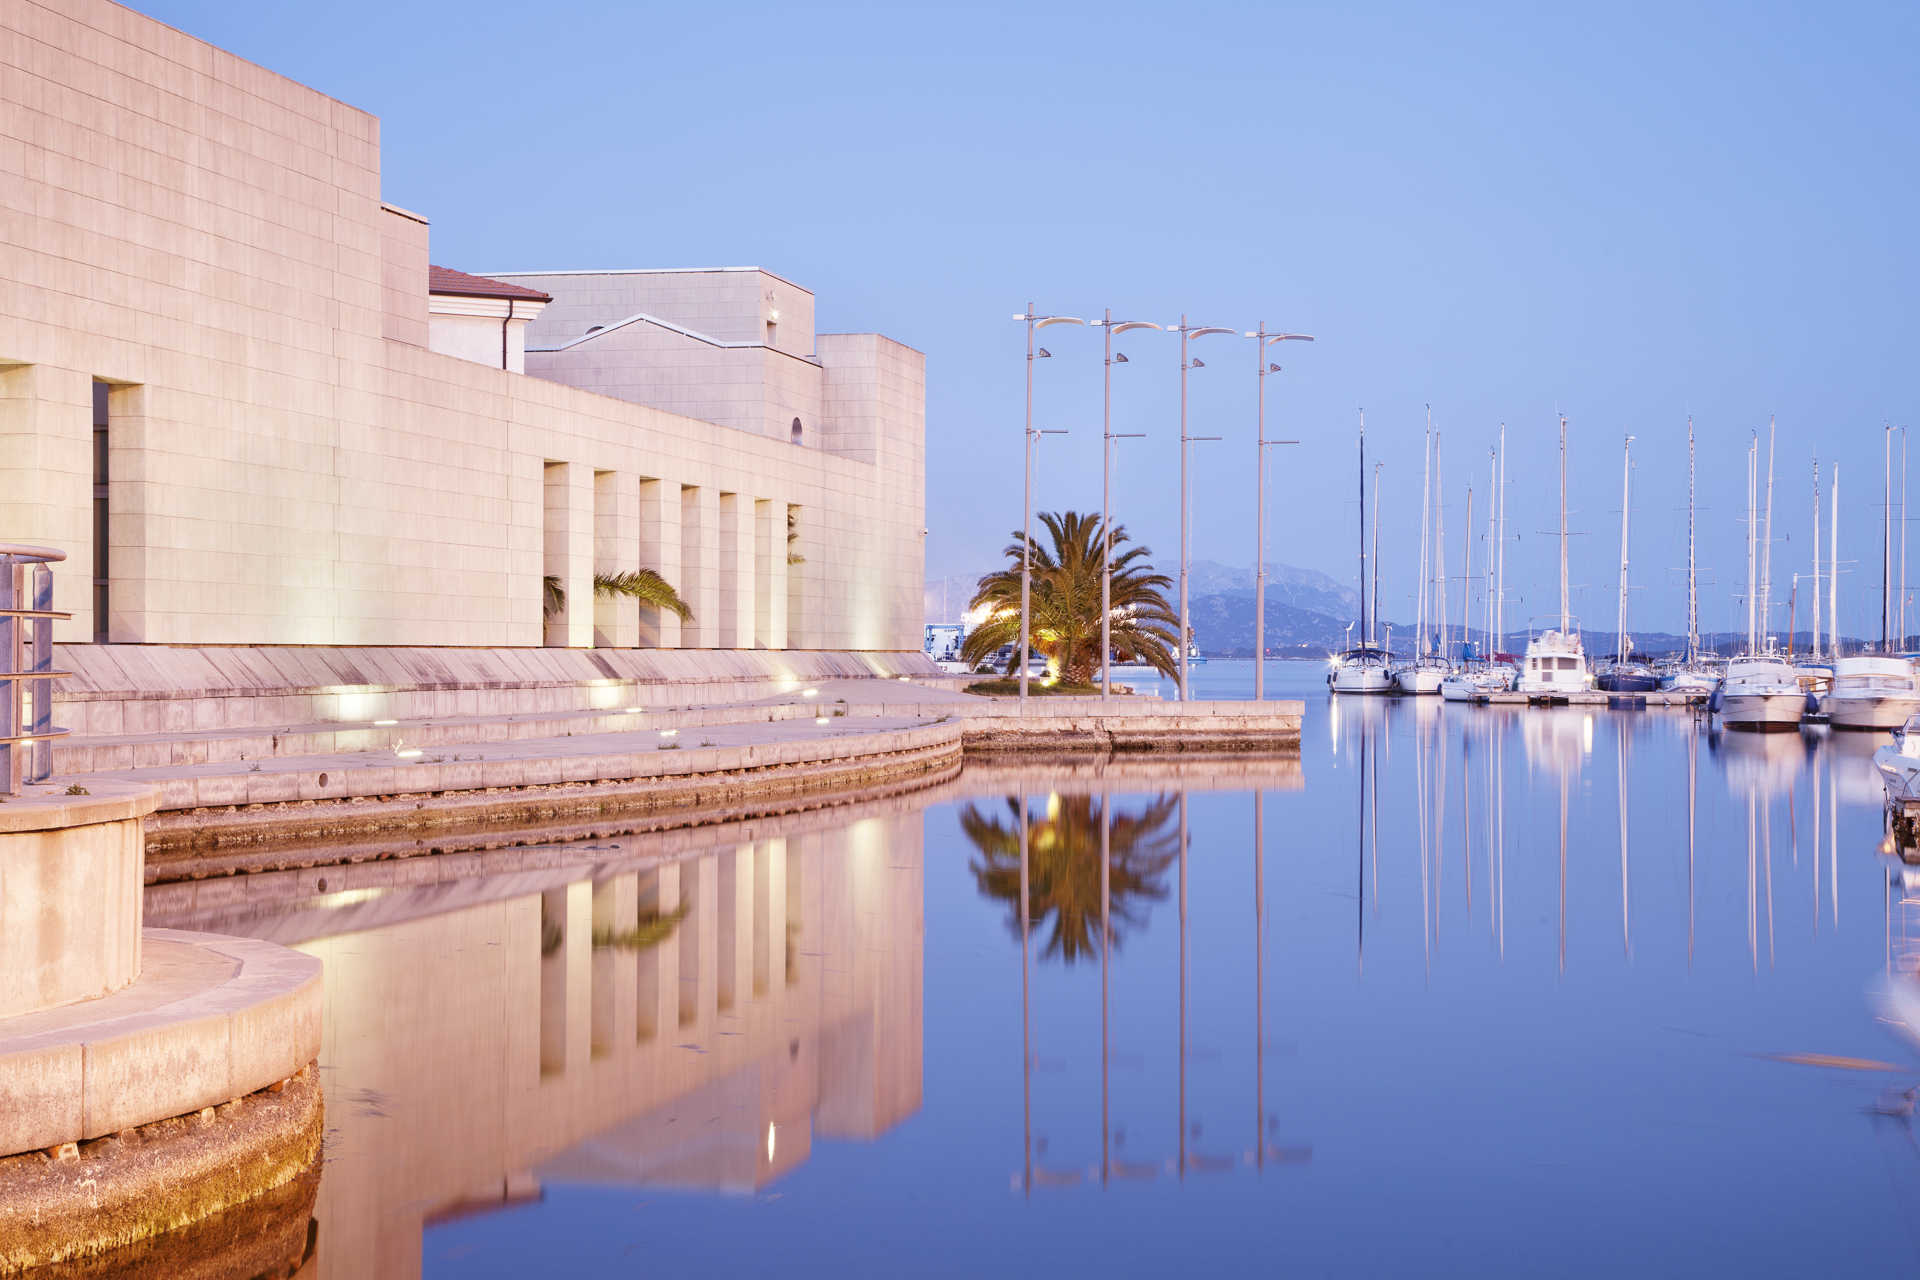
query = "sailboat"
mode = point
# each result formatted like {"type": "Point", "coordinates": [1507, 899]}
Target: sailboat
{"type": "Point", "coordinates": [1628, 672]}
{"type": "Point", "coordinates": [1365, 668]}
{"type": "Point", "coordinates": [1875, 691]}
{"type": "Point", "coordinates": [1423, 673]}
{"type": "Point", "coordinates": [1556, 661]}
{"type": "Point", "coordinates": [1761, 690]}
{"type": "Point", "coordinates": [1473, 680]}
{"type": "Point", "coordinates": [1692, 676]}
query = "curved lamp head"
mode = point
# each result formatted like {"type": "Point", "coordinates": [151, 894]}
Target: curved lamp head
{"type": "Point", "coordinates": [1201, 333]}
{"type": "Point", "coordinates": [1123, 326]}
{"type": "Point", "coordinates": [1044, 321]}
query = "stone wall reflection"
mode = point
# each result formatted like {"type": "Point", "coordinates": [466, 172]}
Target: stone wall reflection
{"type": "Point", "coordinates": [696, 1023]}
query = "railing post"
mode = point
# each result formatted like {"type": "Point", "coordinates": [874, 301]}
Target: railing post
{"type": "Point", "coordinates": [40, 767]}
{"type": "Point", "coordinates": [11, 759]}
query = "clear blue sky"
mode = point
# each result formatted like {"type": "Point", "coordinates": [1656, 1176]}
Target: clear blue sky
{"type": "Point", "coordinates": [1624, 212]}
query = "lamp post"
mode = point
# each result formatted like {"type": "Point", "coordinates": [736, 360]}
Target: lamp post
{"type": "Point", "coordinates": [1026, 521]}
{"type": "Point", "coordinates": [1112, 327]}
{"type": "Point", "coordinates": [1262, 340]}
{"type": "Point", "coordinates": [1186, 333]}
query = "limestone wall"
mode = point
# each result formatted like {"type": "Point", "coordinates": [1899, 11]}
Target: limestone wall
{"type": "Point", "coordinates": [286, 464]}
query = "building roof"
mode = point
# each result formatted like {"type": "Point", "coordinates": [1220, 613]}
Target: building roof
{"type": "Point", "coordinates": [461, 285]}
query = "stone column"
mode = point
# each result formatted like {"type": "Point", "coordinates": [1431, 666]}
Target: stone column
{"type": "Point", "coordinates": [770, 574]}
{"type": "Point", "coordinates": [569, 552]}
{"type": "Point", "coordinates": [658, 531]}
{"type": "Point", "coordinates": [614, 968]}
{"type": "Point", "coordinates": [616, 532]}
{"type": "Point", "coordinates": [700, 562]}
{"type": "Point", "coordinates": [770, 917]}
{"type": "Point", "coordinates": [657, 984]}
{"type": "Point", "coordinates": [46, 479]}
{"type": "Point", "coordinates": [736, 572]}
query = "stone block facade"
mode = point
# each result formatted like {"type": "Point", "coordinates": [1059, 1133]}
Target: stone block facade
{"type": "Point", "coordinates": [215, 365]}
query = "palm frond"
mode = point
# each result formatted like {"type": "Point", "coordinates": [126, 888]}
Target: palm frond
{"type": "Point", "coordinates": [644, 585]}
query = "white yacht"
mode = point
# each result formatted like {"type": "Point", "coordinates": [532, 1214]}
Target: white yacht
{"type": "Point", "coordinates": [1899, 762]}
{"type": "Point", "coordinates": [1365, 668]}
{"type": "Point", "coordinates": [1362, 670]}
{"type": "Point", "coordinates": [1871, 693]}
{"type": "Point", "coordinates": [1474, 684]}
{"type": "Point", "coordinates": [1693, 678]}
{"type": "Point", "coordinates": [1421, 676]}
{"type": "Point", "coordinates": [1759, 692]}
{"type": "Point", "coordinates": [1555, 665]}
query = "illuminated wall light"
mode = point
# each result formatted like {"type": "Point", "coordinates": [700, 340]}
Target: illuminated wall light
{"type": "Point", "coordinates": [819, 719]}
{"type": "Point", "coordinates": [669, 733]}
{"type": "Point", "coordinates": [382, 724]}
{"type": "Point", "coordinates": [634, 711]}
{"type": "Point", "coordinates": [770, 1142]}
{"type": "Point", "coordinates": [409, 753]}
{"type": "Point", "coordinates": [809, 693]}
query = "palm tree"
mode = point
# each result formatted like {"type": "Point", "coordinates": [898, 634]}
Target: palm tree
{"type": "Point", "coordinates": [1063, 873]}
{"type": "Point", "coordinates": [1065, 603]}
{"type": "Point", "coordinates": [644, 585]}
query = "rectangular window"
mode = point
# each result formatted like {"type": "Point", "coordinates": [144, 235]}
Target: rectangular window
{"type": "Point", "coordinates": [102, 525]}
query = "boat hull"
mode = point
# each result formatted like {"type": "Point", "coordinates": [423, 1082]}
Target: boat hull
{"type": "Point", "coordinates": [1900, 772]}
{"type": "Point", "coordinates": [1624, 682]}
{"type": "Point", "coordinates": [1882, 712]}
{"type": "Point", "coordinates": [1762, 710]}
{"type": "Point", "coordinates": [1420, 681]}
{"type": "Point", "coordinates": [1360, 680]}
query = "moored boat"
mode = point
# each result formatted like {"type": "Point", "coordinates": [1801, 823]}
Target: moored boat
{"type": "Point", "coordinates": [1555, 665]}
{"type": "Point", "coordinates": [1759, 692]}
{"type": "Point", "coordinates": [1362, 670]}
{"type": "Point", "coordinates": [1899, 762]}
{"type": "Point", "coordinates": [1871, 693]}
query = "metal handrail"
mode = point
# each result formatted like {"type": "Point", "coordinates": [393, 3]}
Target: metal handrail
{"type": "Point", "coordinates": [26, 664]}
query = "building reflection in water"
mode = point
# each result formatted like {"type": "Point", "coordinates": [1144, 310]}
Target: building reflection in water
{"type": "Point", "coordinates": [694, 1020]}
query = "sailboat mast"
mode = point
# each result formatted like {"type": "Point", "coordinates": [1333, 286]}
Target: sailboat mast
{"type": "Point", "coordinates": [1493, 541]}
{"type": "Point", "coordinates": [1500, 589]}
{"type": "Point", "coordinates": [1766, 549]}
{"type": "Point", "coordinates": [1566, 609]}
{"type": "Point", "coordinates": [1439, 548]}
{"type": "Point", "coordinates": [1753, 462]}
{"type": "Point", "coordinates": [1833, 567]}
{"type": "Point", "coordinates": [1363, 526]}
{"type": "Point", "coordinates": [1466, 571]}
{"type": "Point", "coordinates": [1620, 628]}
{"type": "Point", "coordinates": [1886, 546]}
{"type": "Point", "coordinates": [1373, 623]}
{"type": "Point", "coordinates": [1426, 516]}
{"type": "Point", "coordinates": [1816, 558]}
{"type": "Point", "coordinates": [1693, 596]}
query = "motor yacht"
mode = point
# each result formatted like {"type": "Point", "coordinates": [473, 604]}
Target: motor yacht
{"type": "Point", "coordinates": [1899, 762]}
{"type": "Point", "coordinates": [1759, 692]}
{"type": "Point", "coordinates": [1871, 693]}
{"type": "Point", "coordinates": [1555, 666]}
{"type": "Point", "coordinates": [1473, 684]}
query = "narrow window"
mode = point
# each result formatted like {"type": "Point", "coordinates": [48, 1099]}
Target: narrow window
{"type": "Point", "coordinates": [796, 439]}
{"type": "Point", "coordinates": [101, 520]}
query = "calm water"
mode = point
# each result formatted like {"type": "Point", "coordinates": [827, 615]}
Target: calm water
{"type": "Point", "coordinates": [1489, 991]}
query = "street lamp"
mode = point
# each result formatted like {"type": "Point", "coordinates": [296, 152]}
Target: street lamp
{"type": "Point", "coordinates": [1186, 332]}
{"type": "Point", "coordinates": [1112, 327]}
{"type": "Point", "coordinates": [1026, 521]}
{"type": "Point", "coordinates": [1263, 340]}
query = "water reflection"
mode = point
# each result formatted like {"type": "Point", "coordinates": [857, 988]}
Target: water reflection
{"type": "Point", "coordinates": [1090, 875]}
{"type": "Point", "coordinates": [1523, 976]}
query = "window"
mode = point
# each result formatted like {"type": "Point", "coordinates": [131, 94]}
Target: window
{"type": "Point", "coordinates": [796, 431]}
{"type": "Point", "coordinates": [1566, 664]}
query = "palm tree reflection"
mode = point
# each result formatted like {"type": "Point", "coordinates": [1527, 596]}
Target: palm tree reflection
{"type": "Point", "coordinates": [1064, 875]}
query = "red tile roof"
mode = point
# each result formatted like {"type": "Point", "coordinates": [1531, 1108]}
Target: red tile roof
{"type": "Point", "coordinates": [461, 285]}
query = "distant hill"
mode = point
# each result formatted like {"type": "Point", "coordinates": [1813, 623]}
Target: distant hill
{"type": "Point", "coordinates": [1308, 612]}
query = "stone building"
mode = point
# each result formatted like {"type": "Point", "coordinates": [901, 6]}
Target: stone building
{"type": "Point", "coordinates": [235, 390]}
